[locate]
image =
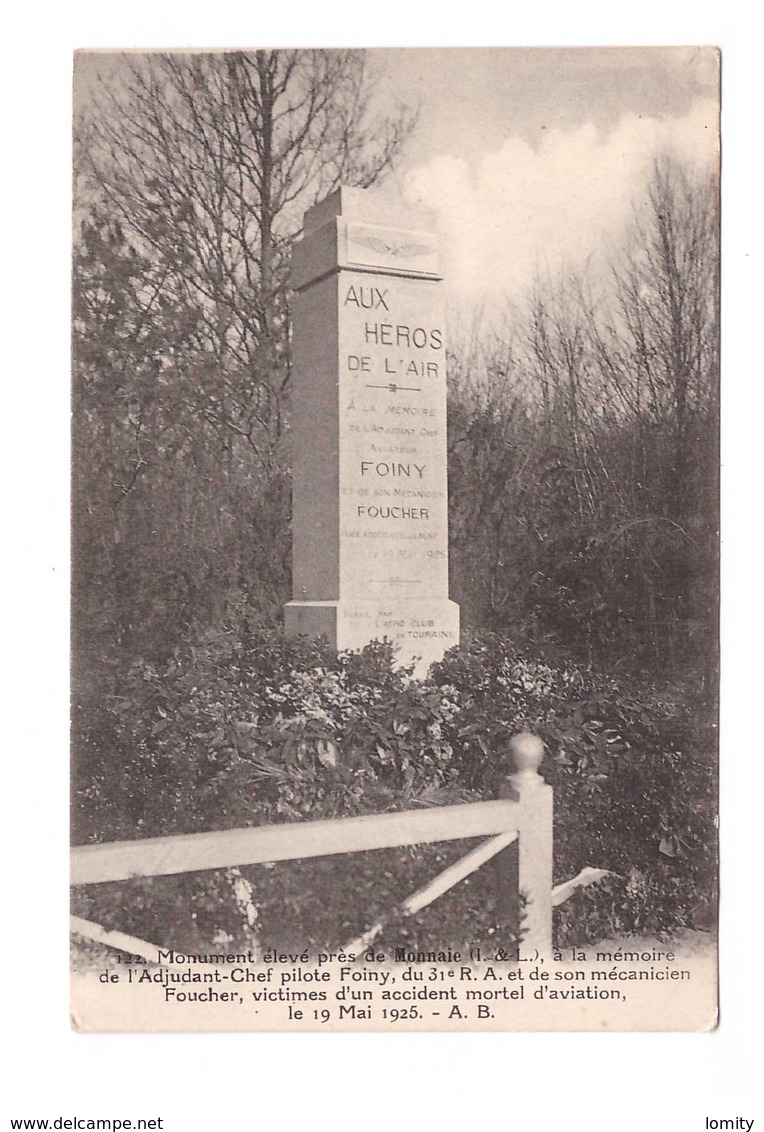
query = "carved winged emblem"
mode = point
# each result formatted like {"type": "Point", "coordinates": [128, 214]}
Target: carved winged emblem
{"type": "Point", "coordinates": [385, 247]}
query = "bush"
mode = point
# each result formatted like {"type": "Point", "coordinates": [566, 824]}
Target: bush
{"type": "Point", "coordinates": [234, 733]}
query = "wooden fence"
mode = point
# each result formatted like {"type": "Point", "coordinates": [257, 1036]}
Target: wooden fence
{"type": "Point", "coordinates": [524, 816]}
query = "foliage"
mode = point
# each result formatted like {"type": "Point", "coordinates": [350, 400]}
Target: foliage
{"type": "Point", "coordinates": [231, 733]}
{"type": "Point", "coordinates": [634, 774]}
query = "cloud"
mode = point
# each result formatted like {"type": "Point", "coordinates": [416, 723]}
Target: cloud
{"type": "Point", "coordinates": [524, 208]}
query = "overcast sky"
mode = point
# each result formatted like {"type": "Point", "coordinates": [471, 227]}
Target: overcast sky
{"type": "Point", "coordinates": [531, 157]}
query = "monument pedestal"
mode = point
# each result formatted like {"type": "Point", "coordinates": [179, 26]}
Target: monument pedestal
{"type": "Point", "coordinates": [370, 503]}
{"type": "Point", "coordinates": [421, 631]}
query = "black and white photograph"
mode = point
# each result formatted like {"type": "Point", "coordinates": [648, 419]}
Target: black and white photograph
{"type": "Point", "coordinates": [395, 539]}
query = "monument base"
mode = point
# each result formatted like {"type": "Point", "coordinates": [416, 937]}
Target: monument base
{"type": "Point", "coordinates": [422, 631]}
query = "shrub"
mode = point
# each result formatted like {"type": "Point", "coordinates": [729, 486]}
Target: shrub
{"type": "Point", "coordinates": [233, 733]}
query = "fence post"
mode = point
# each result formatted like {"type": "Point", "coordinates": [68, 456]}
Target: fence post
{"type": "Point", "coordinates": [535, 843]}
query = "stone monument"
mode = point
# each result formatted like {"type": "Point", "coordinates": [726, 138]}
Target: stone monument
{"type": "Point", "coordinates": [370, 506]}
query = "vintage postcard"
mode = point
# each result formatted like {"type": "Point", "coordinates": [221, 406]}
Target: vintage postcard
{"type": "Point", "coordinates": [395, 539]}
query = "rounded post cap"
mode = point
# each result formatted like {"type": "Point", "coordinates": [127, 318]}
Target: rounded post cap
{"type": "Point", "coordinates": [526, 751]}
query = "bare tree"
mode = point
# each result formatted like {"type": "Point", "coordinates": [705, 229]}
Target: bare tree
{"type": "Point", "coordinates": [192, 174]}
